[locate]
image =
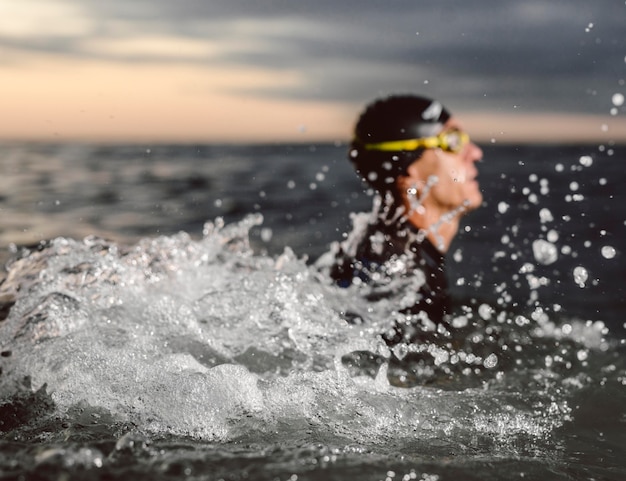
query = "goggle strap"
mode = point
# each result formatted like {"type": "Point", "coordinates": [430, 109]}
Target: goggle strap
{"type": "Point", "coordinates": [414, 144]}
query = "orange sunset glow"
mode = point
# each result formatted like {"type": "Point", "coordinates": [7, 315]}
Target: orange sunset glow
{"type": "Point", "coordinates": [60, 81]}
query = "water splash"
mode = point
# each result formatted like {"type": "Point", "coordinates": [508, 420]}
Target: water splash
{"type": "Point", "coordinates": [205, 339]}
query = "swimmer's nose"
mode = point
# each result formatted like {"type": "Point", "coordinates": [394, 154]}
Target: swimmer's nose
{"type": "Point", "coordinates": [474, 153]}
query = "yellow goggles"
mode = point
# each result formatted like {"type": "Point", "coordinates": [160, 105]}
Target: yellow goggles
{"type": "Point", "coordinates": [449, 140]}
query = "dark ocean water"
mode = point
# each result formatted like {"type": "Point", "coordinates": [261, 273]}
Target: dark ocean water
{"type": "Point", "coordinates": [306, 194]}
{"type": "Point", "coordinates": [133, 357]}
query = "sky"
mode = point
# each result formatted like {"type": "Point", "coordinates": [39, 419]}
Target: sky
{"type": "Point", "coordinates": [290, 70]}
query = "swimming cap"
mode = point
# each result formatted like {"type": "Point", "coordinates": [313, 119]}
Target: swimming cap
{"type": "Point", "coordinates": [398, 117]}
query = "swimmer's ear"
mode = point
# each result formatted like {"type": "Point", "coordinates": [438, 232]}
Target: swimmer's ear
{"type": "Point", "coordinates": [413, 179]}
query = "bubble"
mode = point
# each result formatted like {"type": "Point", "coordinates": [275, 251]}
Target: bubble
{"type": "Point", "coordinates": [545, 215]}
{"type": "Point", "coordinates": [491, 361]}
{"type": "Point", "coordinates": [291, 184]}
{"type": "Point", "coordinates": [586, 160]}
{"type": "Point", "coordinates": [617, 99]}
{"type": "Point", "coordinates": [526, 268]}
{"type": "Point", "coordinates": [503, 207]}
{"type": "Point", "coordinates": [521, 321]}
{"type": "Point", "coordinates": [608, 252]}
{"type": "Point", "coordinates": [460, 322]}
{"type": "Point", "coordinates": [573, 186]}
{"type": "Point", "coordinates": [545, 252]}
{"type": "Point", "coordinates": [552, 236]}
{"type": "Point", "coordinates": [559, 167]}
{"type": "Point", "coordinates": [266, 234]}
{"type": "Point", "coordinates": [589, 27]}
{"type": "Point", "coordinates": [485, 311]}
{"type": "Point", "coordinates": [580, 276]}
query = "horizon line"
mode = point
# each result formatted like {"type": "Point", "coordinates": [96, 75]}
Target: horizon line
{"type": "Point", "coordinates": [484, 128]}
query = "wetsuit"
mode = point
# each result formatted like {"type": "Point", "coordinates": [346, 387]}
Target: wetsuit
{"type": "Point", "coordinates": [399, 252]}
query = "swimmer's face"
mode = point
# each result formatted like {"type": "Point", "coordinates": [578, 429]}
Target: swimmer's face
{"type": "Point", "coordinates": [453, 176]}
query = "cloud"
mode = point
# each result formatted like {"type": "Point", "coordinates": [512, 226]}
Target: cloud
{"type": "Point", "coordinates": [564, 55]}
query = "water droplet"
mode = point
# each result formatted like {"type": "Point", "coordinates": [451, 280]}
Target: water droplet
{"type": "Point", "coordinates": [460, 322]}
{"type": "Point", "coordinates": [552, 236]}
{"type": "Point", "coordinates": [491, 361]}
{"type": "Point", "coordinates": [485, 311]}
{"type": "Point", "coordinates": [545, 215]}
{"type": "Point", "coordinates": [521, 321]}
{"type": "Point", "coordinates": [545, 252]}
{"type": "Point", "coordinates": [580, 276]}
{"type": "Point", "coordinates": [608, 252]}
{"type": "Point", "coordinates": [266, 234]}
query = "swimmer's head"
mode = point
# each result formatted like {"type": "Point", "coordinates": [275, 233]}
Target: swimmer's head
{"type": "Point", "coordinates": [375, 153]}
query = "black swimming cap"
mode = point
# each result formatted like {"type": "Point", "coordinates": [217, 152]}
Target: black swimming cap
{"type": "Point", "coordinates": [398, 117]}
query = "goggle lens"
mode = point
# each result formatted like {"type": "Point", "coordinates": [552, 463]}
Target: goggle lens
{"type": "Point", "coordinates": [453, 140]}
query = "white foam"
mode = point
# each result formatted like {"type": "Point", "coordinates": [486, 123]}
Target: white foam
{"type": "Point", "coordinates": [206, 339]}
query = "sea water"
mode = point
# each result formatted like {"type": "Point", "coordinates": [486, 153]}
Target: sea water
{"type": "Point", "coordinates": [174, 325]}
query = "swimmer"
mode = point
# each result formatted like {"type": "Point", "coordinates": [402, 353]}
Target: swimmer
{"type": "Point", "coordinates": [421, 164]}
